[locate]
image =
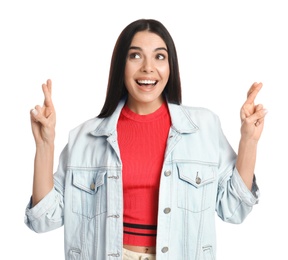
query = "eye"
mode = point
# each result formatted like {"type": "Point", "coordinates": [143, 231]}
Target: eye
{"type": "Point", "coordinates": [160, 57]}
{"type": "Point", "coordinates": [134, 55]}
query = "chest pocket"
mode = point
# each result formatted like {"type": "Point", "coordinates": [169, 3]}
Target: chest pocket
{"type": "Point", "coordinates": [196, 187]}
{"type": "Point", "coordinates": [89, 196]}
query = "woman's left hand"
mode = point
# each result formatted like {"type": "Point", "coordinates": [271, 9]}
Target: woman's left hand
{"type": "Point", "coordinates": [252, 116]}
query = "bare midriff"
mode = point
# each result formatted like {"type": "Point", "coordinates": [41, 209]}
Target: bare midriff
{"type": "Point", "coordinates": [141, 249]}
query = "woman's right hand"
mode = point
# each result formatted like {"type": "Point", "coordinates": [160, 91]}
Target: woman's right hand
{"type": "Point", "coordinates": [43, 118]}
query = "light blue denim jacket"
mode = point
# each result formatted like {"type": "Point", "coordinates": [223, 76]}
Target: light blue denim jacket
{"type": "Point", "coordinates": [198, 178]}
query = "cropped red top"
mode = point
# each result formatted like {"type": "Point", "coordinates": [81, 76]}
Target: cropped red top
{"type": "Point", "coordinates": [142, 141]}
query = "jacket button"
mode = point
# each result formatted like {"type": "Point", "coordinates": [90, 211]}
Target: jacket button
{"type": "Point", "coordinates": [198, 180]}
{"type": "Point", "coordinates": [92, 186]}
{"type": "Point", "coordinates": [164, 249]}
{"type": "Point", "coordinates": [167, 173]}
{"type": "Point", "coordinates": [167, 210]}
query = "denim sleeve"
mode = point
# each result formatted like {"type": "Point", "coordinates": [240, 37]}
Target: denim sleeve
{"type": "Point", "coordinates": [234, 200]}
{"type": "Point", "coordinates": [48, 214]}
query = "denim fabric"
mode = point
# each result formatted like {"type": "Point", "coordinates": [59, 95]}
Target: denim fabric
{"type": "Point", "coordinates": [198, 178]}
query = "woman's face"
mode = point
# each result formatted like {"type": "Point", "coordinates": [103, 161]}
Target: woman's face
{"type": "Point", "coordinates": [146, 72]}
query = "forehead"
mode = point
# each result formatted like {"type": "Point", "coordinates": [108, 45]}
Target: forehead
{"type": "Point", "coordinates": [146, 39]}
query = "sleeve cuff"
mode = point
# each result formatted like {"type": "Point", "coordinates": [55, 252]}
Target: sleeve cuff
{"type": "Point", "coordinates": [250, 197]}
{"type": "Point", "coordinates": [41, 207]}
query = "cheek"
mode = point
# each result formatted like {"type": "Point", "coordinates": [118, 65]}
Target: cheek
{"type": "Point", "coordinates": [130, 70]}
{"type": "Point", "coordinates": [127, 74]}
{"type": "Point", "coordinates": [126, 70]}
{"type": "Point", "coordinates": [165, 72]}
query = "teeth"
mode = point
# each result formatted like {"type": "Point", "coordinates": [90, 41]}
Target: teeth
{"type": "Point", "coordinates": [147, 81]}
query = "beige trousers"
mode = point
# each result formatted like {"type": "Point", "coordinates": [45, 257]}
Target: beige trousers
{"type": "Point", "coordinates": [130, 255]}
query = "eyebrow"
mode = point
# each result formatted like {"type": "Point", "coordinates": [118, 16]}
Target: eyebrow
{"type": "Point", "coordinates": [140, 49]}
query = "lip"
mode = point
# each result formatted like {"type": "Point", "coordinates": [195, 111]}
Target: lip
{"type": "Point", "coordinates": [146, 87]}
{"type": "Point", "coordinates": [146, 82]}
{"type": "Point", "coordinates": [146, 78]}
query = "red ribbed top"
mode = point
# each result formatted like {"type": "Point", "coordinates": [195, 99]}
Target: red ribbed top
{"type": "Point", "coordinates": [142, 141]}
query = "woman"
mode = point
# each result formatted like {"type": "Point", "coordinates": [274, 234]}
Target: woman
{"type": "Point", "coordinates": [143, 178]}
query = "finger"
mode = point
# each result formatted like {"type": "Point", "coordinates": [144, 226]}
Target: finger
{"type": "Point", "coordinates": [49, 86]}
{"type": "Point", "coordinates": [259, 120]}
{"type": "Point", "coordinates": [37, 115]}
{"type": "Point", "coordinates": [243, 113]}
{"type": "Point", "coordinates": [246, 111]}
{"type": "Point", "coordinates": [253, 92]}
{"type": "Point", "coordinates": [258, 107]}
{"type": "Point", "coordinates": [47, 90]}
{"type": "Point", "coordinates": [258, 116]}
{"type": "Point", "coordinates": [34, 114]}
{"type": "Point", "coordinates": [48, 104]}
{"type": "Point", "coordinates": [253, 86]}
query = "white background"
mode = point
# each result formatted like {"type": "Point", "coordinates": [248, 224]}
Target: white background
{"type": "Point", "coordinates": [223, 47]}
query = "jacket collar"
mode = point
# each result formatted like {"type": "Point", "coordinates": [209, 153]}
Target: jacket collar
{"type": "Point", "coordinates": [109, 124]}
{"type": "Point", "coordinates": [181, 121]}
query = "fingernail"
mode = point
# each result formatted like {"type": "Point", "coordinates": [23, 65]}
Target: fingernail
{"type": "Point", "coordinates": [265, 111]}
{"type": "Point", "coordinates": [35, 112]}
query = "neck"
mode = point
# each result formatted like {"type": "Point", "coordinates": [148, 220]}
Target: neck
{"type": "Point", "coordinates": [145, 108]}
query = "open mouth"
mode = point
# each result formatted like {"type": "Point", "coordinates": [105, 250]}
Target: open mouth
{"type": "Point", "coordinates": [146, 82]}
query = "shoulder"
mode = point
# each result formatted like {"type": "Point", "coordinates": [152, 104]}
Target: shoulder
{"type": "Point", "coordinates": [202, 110]}
{"type": "Point", "coordinates": [195, 113]}
{"type": "Point", "coordinates": [85, 127]}
{"type": "Point", "coordinates": [203, 117]}
{"type": "Point", "coordinates": [98, 126]}
{"type": "Point", "coordinates": [188, 118]}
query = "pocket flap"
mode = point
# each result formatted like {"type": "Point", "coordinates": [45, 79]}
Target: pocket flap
{"type": "Point", "coordinates": [196, 174]}
{"type": "Point", "coordinates": [88, 181]}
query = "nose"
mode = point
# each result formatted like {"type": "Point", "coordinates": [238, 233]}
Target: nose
{"type": "Point", "coordinates": [147, 65]}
